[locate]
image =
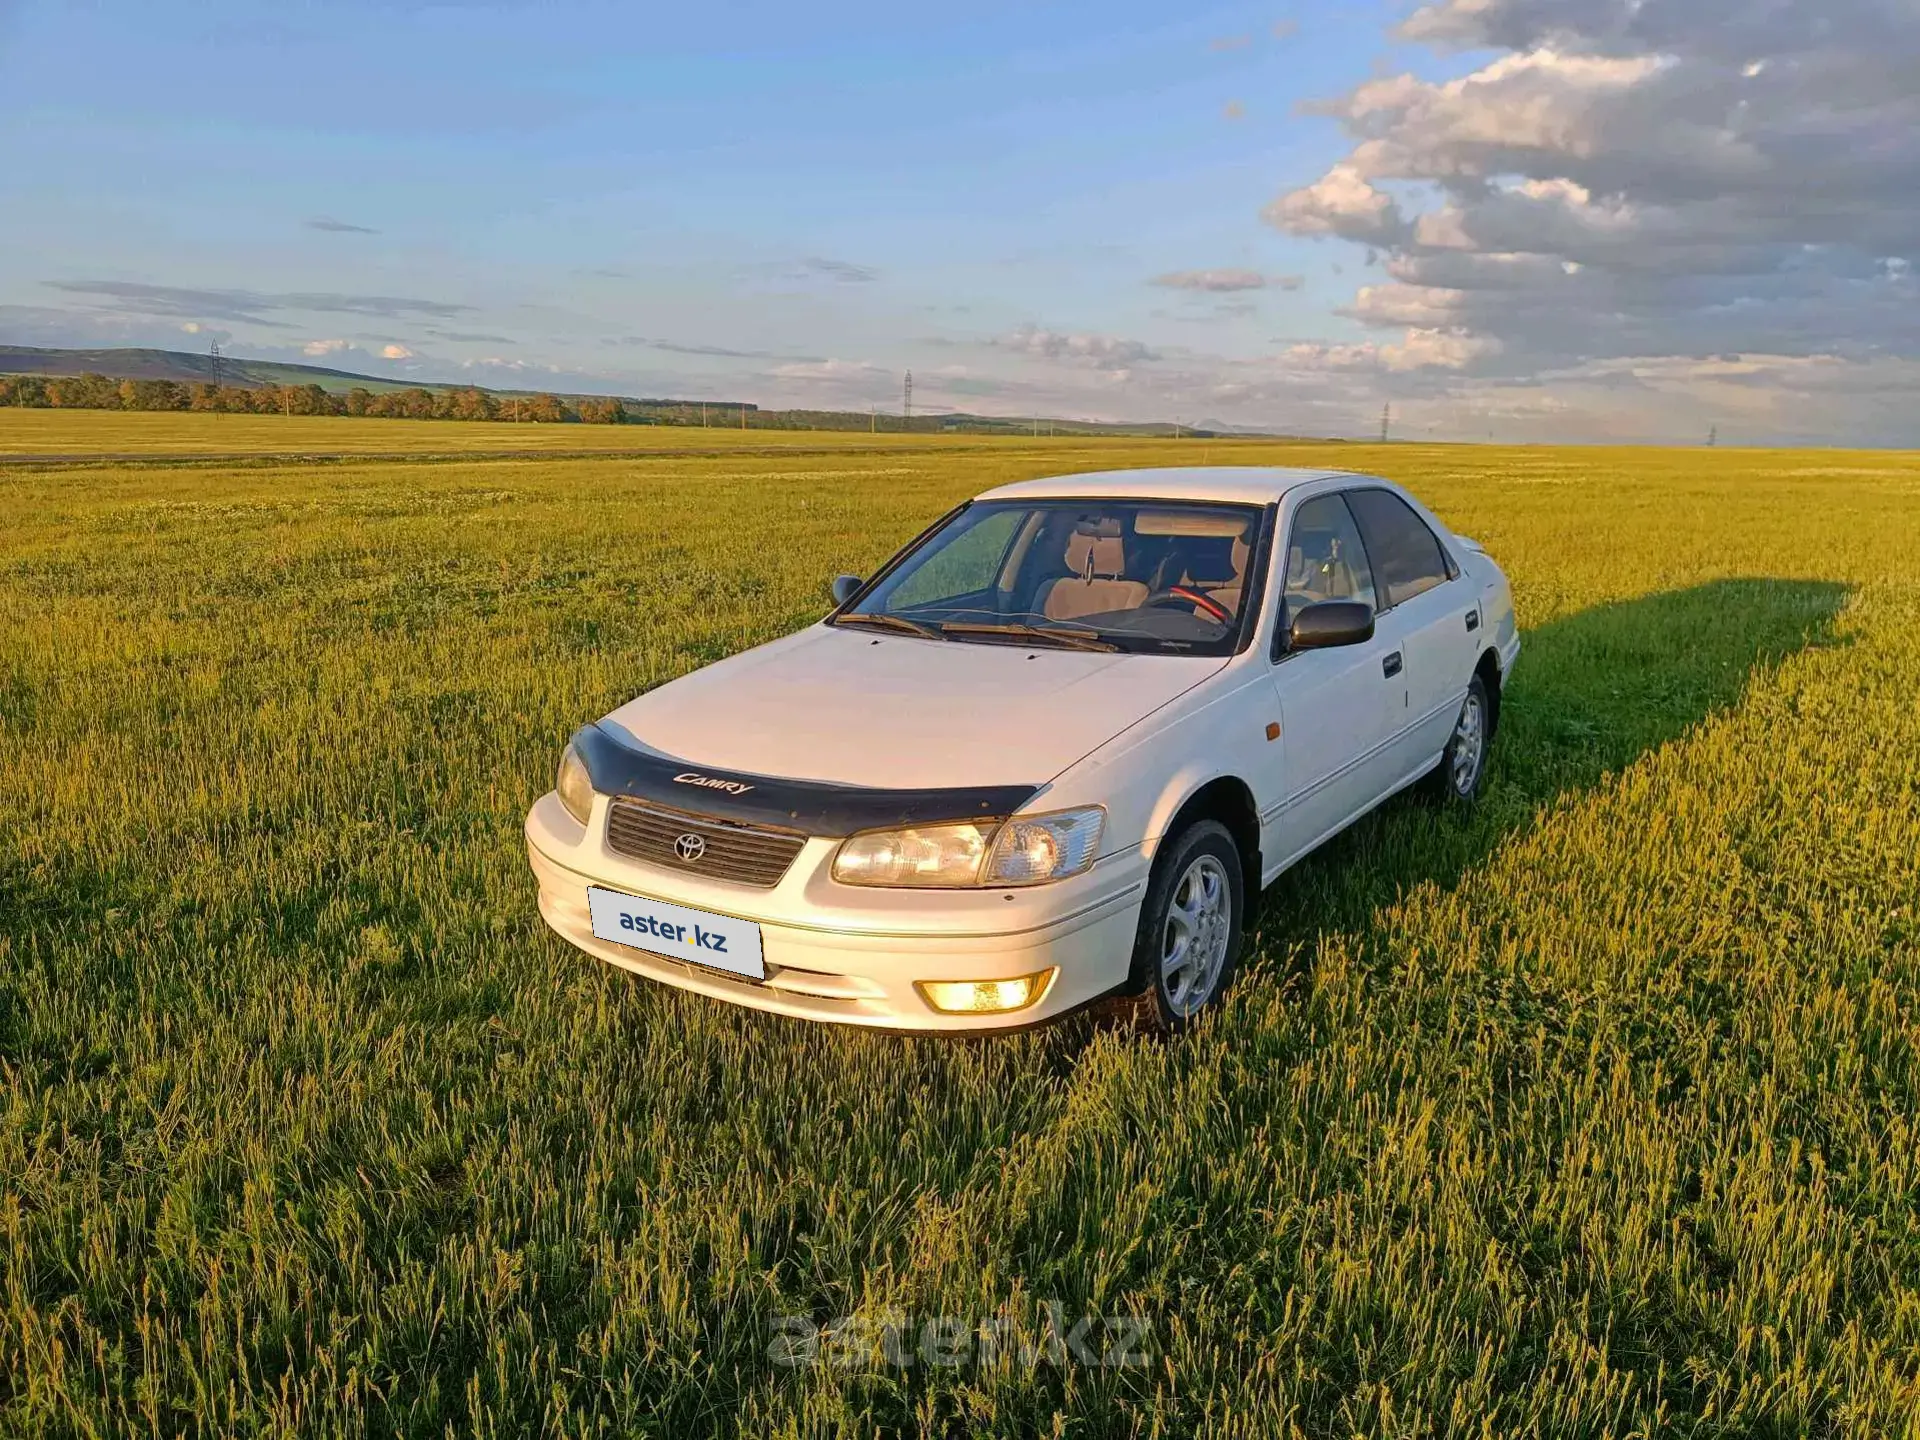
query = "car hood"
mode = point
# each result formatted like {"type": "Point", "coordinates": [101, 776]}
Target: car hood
{"type": "Point", "coordinates": [856, 708]}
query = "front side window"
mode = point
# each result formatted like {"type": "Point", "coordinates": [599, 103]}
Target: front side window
{"type": "Point", "coordinates": [1142, 575]}
{"type": "Point", "coordinates": [1407, 559]}
{"type": "Point", "coordinates": [1326, 559]}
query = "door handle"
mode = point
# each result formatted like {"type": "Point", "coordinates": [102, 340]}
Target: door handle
{"type": "Point", "coordinates": [1391, 665]}
{"type": "Point", "coordinates": [1473, 619]}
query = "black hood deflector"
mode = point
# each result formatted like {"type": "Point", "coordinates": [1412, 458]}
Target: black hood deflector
{"type": "Point", "coordinates": [815, 807]}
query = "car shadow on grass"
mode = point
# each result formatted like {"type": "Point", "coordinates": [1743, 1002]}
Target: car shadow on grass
{"type": "Point", "coordinates": [1592, 693]}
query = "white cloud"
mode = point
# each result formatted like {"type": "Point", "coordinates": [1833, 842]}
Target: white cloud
{"type": "Point", "coordinates": [395, 352]}
{"type": "Point", "coordinates": [1103, 352]}
{"type": "Point", "coordinates": [828, 370]}
{"type": "Point", "coordinates": [1424, 349]}
{"type": "Point", "coordinates": [325, 347]}
{"type": "Point", "coordinates": [1344, 203]}
{"type": "Point", "coordinates": [1225, 281]}
{"type": "Point", "coordinates": [1637, 179]}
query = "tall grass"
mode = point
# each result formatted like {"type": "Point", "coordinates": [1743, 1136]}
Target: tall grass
{"type": "Point", "coordinates": [96, 433]}
{"type": "Point", "coordinates": [1592, 1113]}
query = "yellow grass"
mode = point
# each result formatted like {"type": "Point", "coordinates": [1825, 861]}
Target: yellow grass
{"type": "Point", "coordinates": [1593, 1113]}
{"type": "Point", "coordinates": [94, 432]}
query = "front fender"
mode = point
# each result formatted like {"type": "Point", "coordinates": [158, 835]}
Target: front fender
{"type": "Point", "coordinates": [1185, 784]}
{"type": "Point", "coordinates": [1144, 776]}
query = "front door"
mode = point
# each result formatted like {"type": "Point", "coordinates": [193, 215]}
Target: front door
{"type": "Point", "coordinates": [1335, 718]}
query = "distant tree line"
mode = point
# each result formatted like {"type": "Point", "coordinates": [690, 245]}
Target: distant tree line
{"type": "Point", "coordinates": [98, 392]}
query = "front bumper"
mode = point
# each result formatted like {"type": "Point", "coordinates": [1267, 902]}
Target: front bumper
{"type": "Point", "coordinates": [851, 955]}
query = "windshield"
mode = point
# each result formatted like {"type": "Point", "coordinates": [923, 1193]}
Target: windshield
{"type": "Point", "coordinates": [1141, 575]}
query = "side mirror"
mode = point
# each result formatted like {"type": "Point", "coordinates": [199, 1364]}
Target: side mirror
{"type": "Point", "coordinates": [1331, 623]}
{"type": "Point", "coordinates": [845, 587]}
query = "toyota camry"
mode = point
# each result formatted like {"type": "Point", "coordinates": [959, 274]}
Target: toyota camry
{"type": "Point", "coordinates": [1047, 754]}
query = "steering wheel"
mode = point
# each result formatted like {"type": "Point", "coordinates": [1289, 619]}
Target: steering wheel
{"type": "Point", "coordinates": [1186, 595]}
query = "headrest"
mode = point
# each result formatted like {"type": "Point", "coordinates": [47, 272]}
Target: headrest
{"type": "Point", "coordinates": [1103, 556]}
{"type": "Point", "coordinates": [1213, 559]}
{"type": "Point", "coordinates": [1318, 544]}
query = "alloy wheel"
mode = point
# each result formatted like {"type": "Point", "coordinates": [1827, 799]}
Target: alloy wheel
{"type": "Point", "coordinates": [1193, 944]}
{"type": "Point", "coordinates": [1469, 744]}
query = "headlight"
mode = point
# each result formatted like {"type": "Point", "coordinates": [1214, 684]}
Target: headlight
{"type": "Point", "coordinates": [940, 855]}
{"type": "Point", "coordinates": [574, 786]}
{"type": "Point", "coordinates": [1027, 850]}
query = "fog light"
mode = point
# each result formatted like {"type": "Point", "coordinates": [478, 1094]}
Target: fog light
{"type": "Point", "coordinates": [986, 997]}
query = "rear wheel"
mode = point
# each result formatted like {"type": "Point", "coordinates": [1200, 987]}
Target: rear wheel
{"type": "Point", "coordinates": [1190, 926]}
{"type": "Point", "coordinates": [1463, 767]}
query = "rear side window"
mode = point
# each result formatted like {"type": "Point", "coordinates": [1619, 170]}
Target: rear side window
{"type": "Point", "coordinates": [1407, 559]}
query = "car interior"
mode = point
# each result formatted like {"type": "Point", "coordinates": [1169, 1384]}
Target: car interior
{"type": "Point", "coordinates": [1318, 569]}
{"type": "Point", "coordinates": [1183, 562]}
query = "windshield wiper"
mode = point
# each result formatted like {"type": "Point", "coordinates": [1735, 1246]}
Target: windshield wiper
{"type": "Point", "coordinates": [892, 622]}
{"type": "Point", "coordinates": [1044, 635]}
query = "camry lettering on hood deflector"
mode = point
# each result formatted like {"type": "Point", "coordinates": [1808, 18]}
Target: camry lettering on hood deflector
{"type": "Point", "coordinates": [710, 782]}
{"type": "Point", "coordinates": [811, 807]}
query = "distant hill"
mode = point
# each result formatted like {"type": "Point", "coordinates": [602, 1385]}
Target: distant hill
{"type": "Point", "coordinates": [191, 368]}
{"type": "Point", "coordinates": [185, 368]}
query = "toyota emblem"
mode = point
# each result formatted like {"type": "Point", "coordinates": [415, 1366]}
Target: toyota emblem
{"type": "Point", "coordinates": [689, 848]}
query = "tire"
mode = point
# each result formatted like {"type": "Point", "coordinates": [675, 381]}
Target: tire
{"type": "Point", "coordinates": [1199, 874]}
{"type": "Point", "coordinates": [1462, 770]}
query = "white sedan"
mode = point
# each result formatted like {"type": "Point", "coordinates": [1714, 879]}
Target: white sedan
{"type": "Point", "coordinates": [1048, 754]}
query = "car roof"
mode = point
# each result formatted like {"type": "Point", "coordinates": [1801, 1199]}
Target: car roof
{"type": "Point", "coordinates": [1244, 484]}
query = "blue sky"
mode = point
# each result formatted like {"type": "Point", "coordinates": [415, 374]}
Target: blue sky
{"type": "Point", "coordinates": [599, 196]}
{"type": "Point", "coordinates": [585, 172]}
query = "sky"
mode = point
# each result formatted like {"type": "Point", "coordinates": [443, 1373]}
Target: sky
{"type": "Point", "coordinates": [1631, 220]}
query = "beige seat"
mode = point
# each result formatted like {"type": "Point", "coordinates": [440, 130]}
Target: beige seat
{"type": "Point", "coordinates": [1223, 589]}
{"type": "Point", "coordinates": [1316, 571]}
{"type": "Point", "coordinates": [1096, 586]}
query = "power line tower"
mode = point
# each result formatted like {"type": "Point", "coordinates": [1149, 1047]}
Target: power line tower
{"type": "Point", "coordinates": [906, 404]}
{"type": "Point", "coordinates": [1386, 421]}
{"type": "Point", "coordinates": [1713, 436]}
{"type": "Point", "coordinates": [213, 354]}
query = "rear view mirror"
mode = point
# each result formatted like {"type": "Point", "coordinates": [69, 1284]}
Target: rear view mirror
{"type": "Point", "coordinates": [845, 587]}
{"type": "Point", "coordinates": [1331, 623]}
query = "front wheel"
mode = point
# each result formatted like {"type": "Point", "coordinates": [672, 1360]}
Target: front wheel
{"type": "Point", "coordinates": [1463, 766]}
{"type": "Point", "coordinates": [1190, 925]}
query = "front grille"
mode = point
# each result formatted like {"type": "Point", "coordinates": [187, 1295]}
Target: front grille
{"type": "Point", "coordinates": [745, 854]}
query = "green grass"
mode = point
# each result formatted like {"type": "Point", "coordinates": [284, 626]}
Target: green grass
{"type": "Point", "coordinates": [1591, 1114]}
{"type": "Point", "coordinates": [116, 433]}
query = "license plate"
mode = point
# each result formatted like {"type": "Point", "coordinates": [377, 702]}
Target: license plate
{"type": "Point", "coordinates": [717, 941]}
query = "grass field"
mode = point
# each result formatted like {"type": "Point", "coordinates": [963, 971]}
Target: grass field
{"type": "Point", "coordinates": [115, 433]}
{"type": "Point", "coordinates": [1591, 1114]}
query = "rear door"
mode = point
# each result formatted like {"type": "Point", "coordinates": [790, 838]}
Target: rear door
{"type": "Point", "coordinates": [1333, 703]}
{"type": "Point", "coordinates": [1429, 617]}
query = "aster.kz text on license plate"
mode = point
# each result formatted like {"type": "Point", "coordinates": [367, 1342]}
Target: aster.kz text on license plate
{"type": "Point", "coordinates": [717, 941]}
